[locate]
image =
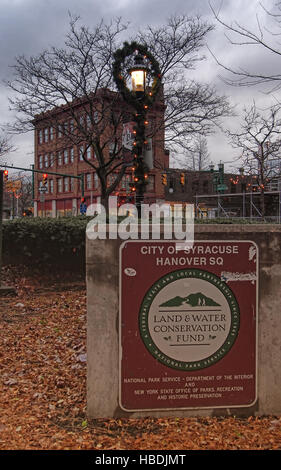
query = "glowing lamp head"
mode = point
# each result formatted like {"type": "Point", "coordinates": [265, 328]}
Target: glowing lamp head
{"type": "Point", "coordinates": [138, 74]}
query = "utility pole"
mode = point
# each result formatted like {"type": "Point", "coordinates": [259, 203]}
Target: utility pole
{"type": "Point", "coordinates": [33, 184]}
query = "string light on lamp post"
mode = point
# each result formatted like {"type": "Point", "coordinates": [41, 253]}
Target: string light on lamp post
{"type": "Point", "coordinates": [140, 97]}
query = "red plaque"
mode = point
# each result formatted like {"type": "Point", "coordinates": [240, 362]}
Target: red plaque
{"type": "Point", "coordinates": [188, 325]}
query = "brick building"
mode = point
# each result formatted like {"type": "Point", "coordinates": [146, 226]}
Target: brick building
{"type": "Point", "coordinates": [60, 147]}
{"type": "Point", "coordinates": [201, 189]}
{"type": "Point", "coordinates": [200, 183]}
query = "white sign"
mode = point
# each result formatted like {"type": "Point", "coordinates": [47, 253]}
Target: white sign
{"type": "Point", "coordinates": [127, 135]}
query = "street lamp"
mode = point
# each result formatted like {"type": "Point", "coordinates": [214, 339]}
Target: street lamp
{"type": "Point", "coordinates": [140, 99]}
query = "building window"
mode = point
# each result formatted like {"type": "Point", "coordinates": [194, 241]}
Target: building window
{"type": "Point", "coordinates": [60, 130]}
{"type": "Point", "coordinates": [88, 121]}
{"type": "Point", "coordinates": [72, 155]}
{"type": "Point", "coordinates": [72, 185]}
{"type": "Point", "coordinates": [89, 153]}
{"type": "Point", "coordinates": [66, 184]}
{"type": "Point", "coordinates": [40, 161]}
{"type": "Point", "coordinates": [96, 116]}
{"type": "Point", "coordinates": [89, 180]}
{"type": "Point", "coordinates": [65, 127]}
{"type": "Point", "coordinates": [125, 182]}
{"type": "Point", "coordinates": [96, 181]}
{"type": "Point", "coordinates": [51, 186]}
{"type": "Point", "coordinates": [65, 156]}
{"type": "Point", "coordinates": [40, 136]}
{"type": "Point", "coordinates": [71, 125]}
{"type": "Point", "coordinates": [46, 161]}
{"type": "Point", "coordinates": [51, 133]}
{"type": "Point", "coordinates": [81, 152]}
{"type": "Point", "coordinates": [46, 134]}
{"type": "Point", "coordinates": [111, 178]}
{"type": "Point", "coordinates": [60, 158]}
{"type": "Point", "coordinates": [59, 185]}
{"type": "Point", "coordinates": [80, 186]}
{"type": "Point", "coordinates": [52, 159]}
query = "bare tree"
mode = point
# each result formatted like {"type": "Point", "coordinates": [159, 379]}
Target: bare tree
{"type": "Point", "coordinates": [80, 73]}
{"type": "Point", "coordinates": [5, 145]}
{"type": "Point", "coordinates": [259, 140]}
{"type": "Point", "coordinates": [19, 190]}
{"type": "Point", "coordinates": [267, 39]}
{"type": "Point", "coordinates": [192, 107]}
{"type": "Point", "coordinates": [197, 158]}
{"type": "Point", "coordinates": [25, 193]}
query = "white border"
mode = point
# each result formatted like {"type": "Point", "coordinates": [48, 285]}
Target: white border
{"type": "Point", "coordinates": [120, 329]}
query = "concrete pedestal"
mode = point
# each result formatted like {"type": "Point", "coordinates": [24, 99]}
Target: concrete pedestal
{"type": "Point", "coordinates": [103, 323]}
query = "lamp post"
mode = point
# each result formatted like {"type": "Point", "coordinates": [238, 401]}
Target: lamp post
{"type": "Point", "coordinates": [140, 97]}
{"type": "Point", "coordinates": [138, 80]}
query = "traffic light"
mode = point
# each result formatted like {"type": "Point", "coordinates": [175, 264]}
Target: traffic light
{"type": "Point", "coordinates": [182, 178]}
{"type": "Point", "coordinates": [45, 179]}
{"type": "Point", "coordinates": [6, 175]}
{"type": "Point", "coordinates": [164, 179]}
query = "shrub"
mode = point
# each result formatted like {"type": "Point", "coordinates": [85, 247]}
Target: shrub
{"type": "Point", "coordinates": [59, 242]}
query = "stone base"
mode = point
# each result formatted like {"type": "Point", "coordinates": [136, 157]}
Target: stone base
{"type": "Point", "coordinates": [104, 352]}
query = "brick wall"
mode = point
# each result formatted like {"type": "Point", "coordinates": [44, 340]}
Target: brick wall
{"type": "Point", "coordinates": [55, 152]}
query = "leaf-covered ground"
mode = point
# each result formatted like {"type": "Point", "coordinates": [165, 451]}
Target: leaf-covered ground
{"type": "Point", "coordinates": [43, 384]}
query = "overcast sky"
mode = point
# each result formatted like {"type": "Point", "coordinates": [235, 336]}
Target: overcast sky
{"type": "Point", "coordinates": [29, 26]}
